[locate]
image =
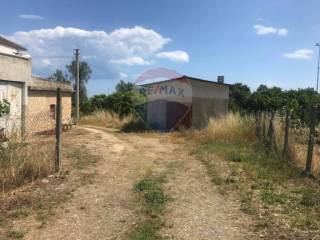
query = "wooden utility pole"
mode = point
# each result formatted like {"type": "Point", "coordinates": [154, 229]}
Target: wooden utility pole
{"type": "Point", "coordinates": [77, 98]}
{"type": "Point", "coordinates": [58, 130]}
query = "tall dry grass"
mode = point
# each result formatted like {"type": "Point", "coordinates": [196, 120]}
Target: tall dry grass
{"type": "Point", "coordinates": [105, 119]}
{"type": "Point", "coordinates": [298, 146]}
{"type": "Point", "coordinates": [231, 128]}
{"type": "Point", "coordinates": [25, 160]}
{"type": "Point", "coordinates": [236, 128]}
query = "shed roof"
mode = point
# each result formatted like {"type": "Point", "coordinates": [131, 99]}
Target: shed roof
{"type": "Point", "coordinates": [11, 44]}
{"type": "Point", "coordinates": [44, 84]}
{"type": "Point", "coordinates": [188, 77]}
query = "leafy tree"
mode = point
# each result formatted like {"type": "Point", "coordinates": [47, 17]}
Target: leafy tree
{"type": "Point", "coordinates": [238, 97]}
{"type": "Point", "coordinates": [4, 108]}
{"type": "Point", "coordinates": [124, 87]}
{"type": "Point", "coordinates": [84, 74]}
{"type": "Point", "coordinates": [266, 99]}
{"type": "Point", "coordinates": [58, 75]}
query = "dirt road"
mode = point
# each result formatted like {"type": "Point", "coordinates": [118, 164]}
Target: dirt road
{"type": "Point", "coordinates": [106, 208]}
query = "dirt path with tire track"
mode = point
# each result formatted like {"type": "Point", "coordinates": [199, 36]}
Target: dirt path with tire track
{"type": "Point", "coordinates": [106, 208]}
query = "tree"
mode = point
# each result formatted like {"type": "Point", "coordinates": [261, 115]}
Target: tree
{"type": "Point", "coordinates": [85, 74]}
{"type": "Point", "coordinates": [4, 108]}
{"type": "Point", "coordinates": [239, 94]}
{"type": "Point", "coordinates": [124, 87]}
{"type": "Point", "coordinates": [59, 76]}
{"type": "Point", "coordinates": [266, 99]}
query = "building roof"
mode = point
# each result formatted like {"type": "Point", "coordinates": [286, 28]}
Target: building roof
{"type": "Point", "coordinates": [11, 44]}
{"type": "Point", "coordinates": [188, 77]}
{"type": "Point", "coordinates": [43, 84]}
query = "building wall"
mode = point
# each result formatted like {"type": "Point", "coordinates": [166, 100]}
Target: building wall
{"type": "Point", "coordinates": [41, 110]}
{"type": "Point", "coordinates": [209, 100]}
{"type": "Point", "coordinates": [15, 72]}
{"type": "Point", "coordinates": [200, 101]}
{"type": "Point", "coordinates": [13, 92]}
{"type": "Point", "coordinates": [15, 68]}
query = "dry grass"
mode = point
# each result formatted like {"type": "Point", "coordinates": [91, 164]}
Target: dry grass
{"type": "Point", "coordinates": [298, 146]}
{"type": "Point", "coordinates": [105, 119]}
{"type": "Point", "coordinates": [24, 161]}
{"type": "Point", "coordinates": [231, 128]}
{"type": "Point", "coordinates": [270, 187]}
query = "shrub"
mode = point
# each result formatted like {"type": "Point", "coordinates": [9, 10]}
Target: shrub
{"type": "Point", "coordinates": [4, 108]}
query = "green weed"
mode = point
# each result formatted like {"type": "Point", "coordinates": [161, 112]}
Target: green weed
{"type": "Point", "coordinates": [154, 201]}
{"type": "Point", "coordinates": [16, 234]}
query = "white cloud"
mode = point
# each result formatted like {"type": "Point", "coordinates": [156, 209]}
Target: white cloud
{"type": "Point", "coordinates": [131, 61]}
{"type": "Point", "coordinates": [30, 16]}
{"type": "Point", "coordinates": [264, 30]}
{"type": "Point", "coordinates": [123, 75]}
{"type": "Point", "coordinates": [103, 50]}
{"type": "Point", "coordinates": [175, 56]}
{"type": "Point", "coordinates": [46, 62]}
{"type": "Point", "coordinates": [300, 54]}
{"type": "Point", "coordinates": [282, 32]}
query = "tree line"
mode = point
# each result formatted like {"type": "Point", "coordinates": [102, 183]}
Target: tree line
{"type": "Point", "coordinates": [298, 102]}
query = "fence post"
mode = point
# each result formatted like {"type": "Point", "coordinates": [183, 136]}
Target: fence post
{"type": "Point", "coordinates": [264, 126]}
{"type": "Point", "coordinates": [307, 171]}
{"type": "Point", "coordinates": [286, 133]}
{"type": "Point", "coordinates": [271, 141]}
{"type": "Point", "coordinates": [258, 124]}
{"type": "Point", "coordinates": [58, 130]}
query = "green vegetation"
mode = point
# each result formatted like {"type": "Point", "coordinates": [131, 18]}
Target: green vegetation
{"type": "Point", "coordinates": [123, 102]}
{"type": "Point", "coordinates": [271, 188]}
{"type": "Point", "coordinates": [264, 99]}
{"type": "Point", "coordinates": [16, 234]}
{"type": "Point", "coordinates": [119, 103]}
{"type": "Point", "coordinates": [153, 203]}
{"type": "Point", "coordinates": [135, 125]}
{"type": "Point", "coordinates": [4, 108]}
{"type": "Point", "coordinates": [118, 110]}
{"type": "Point", "coordinates": [59, 76]}
{"type": "Point", "coordinates": [84, 76]}
{"type": "Point", "coordinates": [20, 213]}
{"type": "Point", "coordinates": [82, 158]}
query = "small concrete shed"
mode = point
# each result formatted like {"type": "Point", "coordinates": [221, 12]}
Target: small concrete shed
{"type": "Point", "coordinates": [185, 102]}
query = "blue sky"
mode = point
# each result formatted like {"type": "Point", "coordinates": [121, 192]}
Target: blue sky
{"type": "Point", "coordinates": [251, 41]}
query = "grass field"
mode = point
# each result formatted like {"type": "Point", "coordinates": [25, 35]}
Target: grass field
{"type": "Point", "coordinates": [270, 186]}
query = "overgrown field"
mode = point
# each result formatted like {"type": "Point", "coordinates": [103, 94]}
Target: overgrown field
{"type": "Point", "coordinates": [271, 188]}
{"type": "Point", "coordinates": [25, 160]}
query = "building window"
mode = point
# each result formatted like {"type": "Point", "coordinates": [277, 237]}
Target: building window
{"type": "Point", "coordinates": [53, 111]}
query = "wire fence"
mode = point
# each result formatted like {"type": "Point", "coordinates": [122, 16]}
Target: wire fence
{"type": "Point", "coordinates": [30, 146]}
{"type": "Point", "coordinates": [286, 134]}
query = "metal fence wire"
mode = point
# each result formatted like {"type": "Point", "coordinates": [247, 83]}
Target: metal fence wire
{"type": "Point", "coordinates": [39, 129]}
{"type": "Point", "coordinates": [297, 142]}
